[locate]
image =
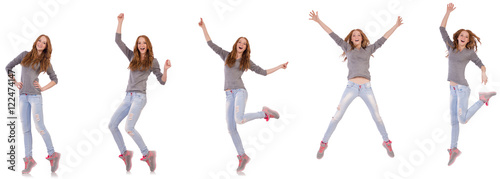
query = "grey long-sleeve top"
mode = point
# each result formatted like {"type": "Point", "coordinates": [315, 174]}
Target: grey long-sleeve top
{"type": "Point", "coordinates": [232, 76]}
{"type": "Point", "coordinates": [358, 60]}
{"type": "Point", "coordinates": [30, 75]}
{"type": "Point", "coordinates": [137, 79]}
{"type": "Point", "coordinates": [457, 60]}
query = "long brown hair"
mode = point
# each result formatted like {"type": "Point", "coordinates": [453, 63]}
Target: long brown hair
{"type": "Point", "coordinates": [364, 42]}
{"type": "Point", "coordinates": [33, 59]}
{"type": "Point", "coordinates": [137, 63]}
{"type": "Point", "coordinates": [245, 57]}
{"type": "Point", "coordinates": [472, 44]}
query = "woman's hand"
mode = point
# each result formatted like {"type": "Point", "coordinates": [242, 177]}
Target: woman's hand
{"type": "Point", "coordinates": [399, 22]}
{"type": "Point", "coordinates": [484, 78]}
{"type": "Point", "coordinates": [205, 32]}
{"type": "Point", "coordinates": [167, 65]}
{"type": "Point", "coordinates": [201, 23]}
{"type": "Point", "coordinates": [120, 17]}
{"type": "Point", "coordinates": [19, 85]}
{"type": "Point", "coordinates": [450, 7]}
{"type": "Point", "coordinates": [314, 16]}
{"type": "Point", "coordinates": [37, 85]}
{"type": "Point", "coordinates": [284, 65]}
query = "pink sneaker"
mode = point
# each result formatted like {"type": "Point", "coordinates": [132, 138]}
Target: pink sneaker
{"type": "Point", "coordinates": [485, 96]}
{"type": "Point", "coordinates": [150, 158]}
{"type": "Point", "coordinates": [127, 158]}
{"type": "Point", "coordinates": [243, 160]}
{"type": "Point", "coordinates": [454, 153]}
{"type": "Point", "coordinates": [270, 113]}
{"type": "Point", "coordinates": [321, 150]}
{"type": "Point", "coordinates": [54, 161]}
{"type": "Point", "coordinates": [29, 163]}
{"type": "Point", "coordinates": [388, 146]}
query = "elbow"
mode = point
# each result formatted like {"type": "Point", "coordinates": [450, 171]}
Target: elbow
{"type": "Point", "coordinates": [55, 81]}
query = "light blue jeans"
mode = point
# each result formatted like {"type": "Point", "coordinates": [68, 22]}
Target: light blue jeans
{"type": "Point", "coordinates": [352, 91]}
{"type": "Point", "coordinates": [236, 100]}
{"type": "Point", "coordinates": [131, 106]}
{"type": "Point", "coordinates": [32, 104]}
{"type": "Point", "coordinates": [459, 99]}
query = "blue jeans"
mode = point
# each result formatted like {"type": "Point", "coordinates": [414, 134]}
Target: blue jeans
{"type": "Point", "coordinates": [352, 91]}
{"type": "Point", "coordinates": [459, 99]}
{"type": "Point", "coordinates": [236, 100]}
{"type": "Point", "coordinates": [32, 104]}
{"type": "Point", "coordinates": [131, 106]}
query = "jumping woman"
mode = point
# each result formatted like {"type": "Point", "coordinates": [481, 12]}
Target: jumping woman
{"type": "Point", "coordinates": [142, 63]}
{"type": "Point", "coordinates": [460, 51]}
{"type": "Point", "coordinates": [235, 63]}
{"type": "Point", "coordinates": [33, 63]}
{"type": "Point", "coordinates": [357, 51]}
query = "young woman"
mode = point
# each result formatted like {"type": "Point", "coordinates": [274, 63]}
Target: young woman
{"type": "Point", "coordinates": [357, 50]}
{"type": "Point", "coordinates": [142, 63]}
{"type": "Point", "coordinates": [460, 51]}
{"type": "Point", "coordinates": [235, 63]}
{"type": "Point", "coordinates": [33, 63]}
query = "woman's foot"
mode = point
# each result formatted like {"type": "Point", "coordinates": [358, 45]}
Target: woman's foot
{"type": "Point", "coordinates": [54, 161]}
{"type": "Point", "coordinates": [454, 153]}
{"type": "Point", "coordinates": [270, 113]}
{"type": "Point", "coordinates": [29, 163]}
{"type": "Point", "coordinates": [127, 158]}
{"type": "Point", "coordinates": [485, 96]}
{"type": "Point", "coordinates": [388, 146]}
{"type": "Point", "coordinates": [243, 160]}
{"type": "Point", "coordinates": [321, 150]}
{"type": "Point", "coordinates": [150, 158]}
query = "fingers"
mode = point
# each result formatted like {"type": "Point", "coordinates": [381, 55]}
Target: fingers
{"type": "Point", "coordinates": [167, 64]}
{"type": "Point", "coordinates": [201, 23]}
{"type": "Point", "coordinates": [285, 65]}
{"type": "Point", "coordinates": [37, 85]}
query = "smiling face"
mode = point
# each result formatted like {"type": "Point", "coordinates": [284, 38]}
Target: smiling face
{"type": "Point", "coordinates": [241, 45]}
{"type": "Point", "coordinates": [463, 38]}
{"type": "Point", "coordinates": [41, 44]}
{"type": "Point", "coordinates": [142, 45]}
{"type": "Point", "coordinates": [356, 38]}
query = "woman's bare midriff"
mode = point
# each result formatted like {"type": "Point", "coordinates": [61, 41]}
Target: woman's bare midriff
{"type": "Point", "coordinates": [359, 80]}
{"type": "Point", "coordinates": [452, 83]}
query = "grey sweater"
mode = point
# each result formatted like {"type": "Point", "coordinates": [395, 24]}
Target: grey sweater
{"type": "Point", "coordinates": [232, 76]}
{"type": "Point", "coordinates": [358, 60]}
{"type": "Point", "coordinates": [29, 76]}
{"type": "Point", "coordinates": [137, 79]}
{"type": "Point", "coordinates": [457, 60]}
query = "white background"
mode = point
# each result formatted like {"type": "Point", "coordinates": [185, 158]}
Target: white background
{"type": "Point", "coordinates": [184, 121]}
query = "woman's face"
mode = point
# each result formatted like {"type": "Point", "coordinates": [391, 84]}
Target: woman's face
{"type": "Point", "coordinates": [463, 38]}
{"type": "Point", "coordinates": [142, 45]}
{"type": "Point", "coordinates": [41, 44]}
{"type": "Point", "coordinates": [356, 38]}
{"type": "Point", "coordinates": [242, 45]}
